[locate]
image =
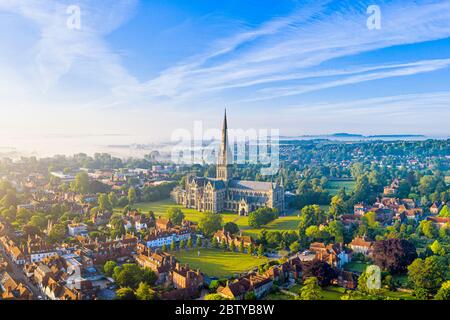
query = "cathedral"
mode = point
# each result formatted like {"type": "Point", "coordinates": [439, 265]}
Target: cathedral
{"type": "Point", "coordinates": [224, 193]}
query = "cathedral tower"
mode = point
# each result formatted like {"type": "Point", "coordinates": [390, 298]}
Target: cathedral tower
{"type": "Point", "coordinates": [223, 171]}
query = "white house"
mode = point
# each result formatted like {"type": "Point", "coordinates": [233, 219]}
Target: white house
{"type": "Point", "coordinates": [76, 229]}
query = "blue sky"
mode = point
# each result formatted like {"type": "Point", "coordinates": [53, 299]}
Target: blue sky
{"type": "Point", "coordinates": [145, 68]}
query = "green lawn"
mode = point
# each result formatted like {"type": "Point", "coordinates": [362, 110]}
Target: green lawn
{"type": "Point", "coordinates": [328, 293]}
{"type": "Point", "coordinates": [334, 186]}
{"type": "Point", "coordinates": [160, 209]}
{"type": "Point", "coordinates": [219, 263]}
{"type": "Point", "coordinates": [283, 223]}
{"type": "Point", "coordinates": [356, 266]}
{"type": "Point", "coordinates": [278, 296]}
{"type": "Point", "coordinates": [400, 295]}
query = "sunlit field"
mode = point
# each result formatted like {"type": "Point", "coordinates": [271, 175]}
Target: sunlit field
{"type": "Point", "coordinates": [218, 262]}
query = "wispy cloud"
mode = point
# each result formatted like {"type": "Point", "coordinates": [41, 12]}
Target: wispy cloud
{"type": "Point", "coordinates": [290, 48]}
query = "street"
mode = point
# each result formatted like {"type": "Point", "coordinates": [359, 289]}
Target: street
{"type": "Point", "coordinates": [18, 275]}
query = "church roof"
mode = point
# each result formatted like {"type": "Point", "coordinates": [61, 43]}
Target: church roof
{"type": "Point", "coordinates": [216, 183]}
{"type": "Point", "coordinates": [250, 185]}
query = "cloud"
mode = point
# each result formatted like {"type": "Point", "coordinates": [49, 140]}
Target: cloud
{"type": "Point", "coordinates": [290, 48]}
{"type": "Point", "coordinates": [59, 49]}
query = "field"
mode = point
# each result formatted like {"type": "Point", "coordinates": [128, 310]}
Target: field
{"type": "Point", "coordinates": [283, 223]}
{"type": "Point", "coordinates": [333, 186]}
{"type": "Point", "coordinates": [359, 267]}
{"type": "Point", "coordinates": [220, 263]}
{"type": "Point", "coordinates": [160, 209]}
{"type": "Point", "coordinates": [328, 293]}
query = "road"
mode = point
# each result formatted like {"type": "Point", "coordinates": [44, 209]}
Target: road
{"type": "Point", "coordinates": [18, 275]}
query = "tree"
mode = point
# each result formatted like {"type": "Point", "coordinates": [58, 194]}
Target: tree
{"type": "Point", "coordinates": [129, 275]}
{"type": "Point", "coordinates": [214, 242]}
{"type": "Point", "coordinates": [261, 217]}
{"type": "Point", "coordinates": [214, 284]}
{"type": "Point", "coordinates": [445, 212]}
{"type": "Point", "coordinates": [81, 183]}
{"type": "Point", "coordinates": [175, 215]}
{"type": "Point", "coordinates": [182, 244]}
{"type": "Point", "coordinates": [250, 249]}
{"type": "Point", "coordinates": [172, 246]}
{"type": "Point", "coordinates": [311, 215]}
{"type": "Point", "coordinates": [250, 295]}
{"type": "Point", "coordinates": [38, 221]}
{"type": "Point", "coordinates": [320, 270]}
{"type": "Point", "coordinates": [113, 200]}
{"type": "Point", "coordinates": [164, 248]}
{"type": "Point", "coordinates": [231, 227]}
{"type": "Point", "coordinates": [215, 296]}
{"type": "Point", "coordinates": [429, 274]}
{"type": "Point", "coordinates": [149, 276]}
{"type": "Point", "coordinates": [210, 223]}
{"type": "Point", "coordinates": [198, 242]}
{"type": "Point", "coordinates": [444, 292]}
{"type": "Point", "coordinates": [437, 248]}
{"type": "Point", "coordinates": [103, 202]}
{"type": "Point", "coordinates": [223, 244]}
{"type": "Point", "coordinates": [428, 229]}
{"type": "Point", "coordinates": [189, 243]}
{"type": "Point", "coordinates": [145, 292]}
{"type": "Point", "coordinates": [337, 207]}
{"type": "Point", "coordinates": [241, 247]}
{"type": "Point", "coordinates": [131, 195]}
{"type": "Point", "coordinates": [394, 255]}
{"type": "Point", "coordinates": [108, 268]}
{"type": "Point", "coordinates": [58, 233]}
{"type": "Point", "coordinates": [336, 229]}
{"type": "Point", "coordinates": [294, 247]}
{"type": "Point", "coordinates": [125, 294]}
{"type": "Point", "coordinates": [310, 290]}
{"type": "Point", "coordinates": [260, 250]}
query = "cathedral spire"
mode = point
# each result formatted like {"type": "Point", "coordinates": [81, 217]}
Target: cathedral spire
{"type": "Point", "coordinates": [225, 126]}
{"type": "Point", "coordinates": [223, 170]}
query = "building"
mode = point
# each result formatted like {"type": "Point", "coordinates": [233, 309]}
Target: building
{"type": "Point", "coordinates": [39, 249]}
{"type": "Point", "coordinates": [12, 289]}
{"type": "Point", "coordinates": [224, 193]}
{"type": "Point", "coordinates": [182, 277]}
{"type": "Point", "coordinates": [333, 254]}
{"type": "Point", "coordinates": [159, 262]}
{"type": "Point", "coordinates": [361, 245]}
{"type": "Point", "coordinates": [392, 188]}
{"type": "Point", "coordinates": [221, 235]}
{"type": "Point", "coordinates": [77, 229]}
{"type": "Point", "coordinates": [435, 208]}
{"type": "Point", "coordinates": [439, 222]}
{"type": "Point", "coordinates": [237, 290]}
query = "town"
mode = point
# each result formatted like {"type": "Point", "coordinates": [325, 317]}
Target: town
{"type": "Point", "coordinates": [103, 228]}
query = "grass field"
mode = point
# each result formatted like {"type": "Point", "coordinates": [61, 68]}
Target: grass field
{"type": "Point", "coordinates": [334, 186]}
{"type": "Point", "coordinates": [283, 223]}
{"type": "Point", "coordinates": [219, 263]}
{"type": "Point", "coordinates": [278, 296]}
{"type": "Point", "coordinates": [356, 266]}
{"type": "Point", "coordinates": [160, 209]}
{"type": "Point", "coordinates": [328, 293]}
